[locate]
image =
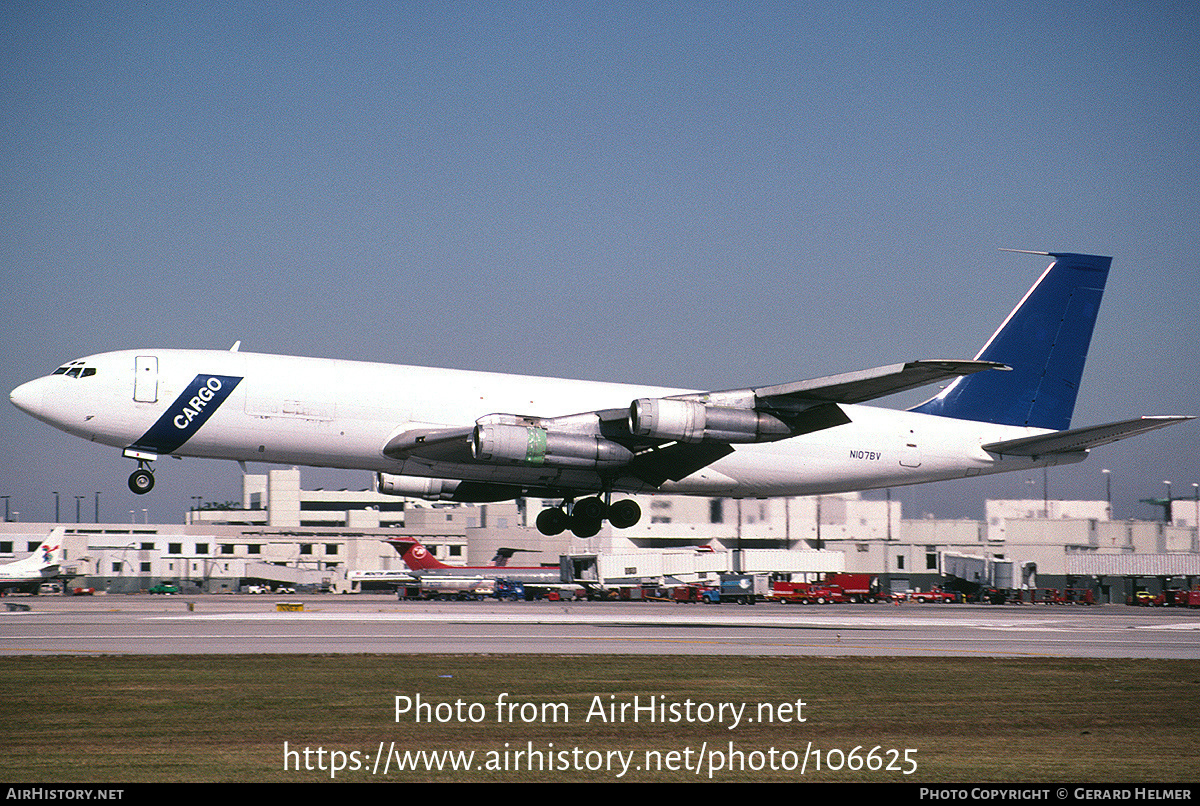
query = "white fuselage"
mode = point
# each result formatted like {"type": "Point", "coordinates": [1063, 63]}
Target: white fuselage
{"type": "Point", "coordinates": [332, 413]}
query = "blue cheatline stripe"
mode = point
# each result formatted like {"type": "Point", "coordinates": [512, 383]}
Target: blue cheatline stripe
{"type": "Point", "coordinates": [183, 418]}
{"type": "Point", "coordinates": [1045, 340]}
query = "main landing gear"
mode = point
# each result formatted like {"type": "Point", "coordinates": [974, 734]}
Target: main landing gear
{"type": "Point", "coordinates": [585, 516]}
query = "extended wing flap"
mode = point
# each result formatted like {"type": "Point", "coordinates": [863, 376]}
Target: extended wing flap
{"type": "Point", "coordinates": [1081, 439]}
{"type": "Point", "coordinates": [676, 461]}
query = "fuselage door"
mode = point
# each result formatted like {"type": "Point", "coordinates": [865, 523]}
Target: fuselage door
{"type": "Point", "coordinates": [910, 454]}
{"type": "Point", "coordinates": [145, 379]}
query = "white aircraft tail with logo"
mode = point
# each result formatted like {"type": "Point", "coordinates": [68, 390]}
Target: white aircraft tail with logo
{"type": "Point", "coordinates": [43, 563]}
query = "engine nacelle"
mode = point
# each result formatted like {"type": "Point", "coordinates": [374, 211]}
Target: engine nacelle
{"type": "Point", "coordinates": [467, 492]}
{"type": "Point", "coordinates": [691, 421]}
{"type": "Point", "coordinates": [416, 487]}
{"type": "Point", "coordinates": [532, 446]}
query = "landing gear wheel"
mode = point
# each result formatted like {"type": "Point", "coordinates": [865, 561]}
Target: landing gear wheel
{"type": "Point", "coordinates": [590, 509]}
{"type": "Point", "coordinates": [624, 513]}
{"type": "Point", "coordinates": [582, 527]}
{"type": "Point", "coordinates": [141, 481]}
{"type": "Point", "coordinates": [587, 516]}
{"type": "Point", "coordinates": [552, 521]}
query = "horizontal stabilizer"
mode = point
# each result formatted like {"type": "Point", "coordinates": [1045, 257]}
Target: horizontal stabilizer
{"type": "Point", "coordinates": [1081, 439]}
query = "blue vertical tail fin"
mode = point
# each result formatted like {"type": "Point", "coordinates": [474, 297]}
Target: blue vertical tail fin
{"type": "Point", "coordinates": [1045, 341]}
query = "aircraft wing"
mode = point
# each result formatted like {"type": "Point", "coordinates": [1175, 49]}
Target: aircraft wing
{"type": "Point", "coordinates": [855, 387]}
{"type": "Point", "coordinates": [782, 411]}
{"type": "Point", "coordinates": [1081, 439]}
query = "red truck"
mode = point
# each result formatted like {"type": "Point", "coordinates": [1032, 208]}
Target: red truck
{"type": "Point", "coordinates": [937, 595]}
{"type": "Point", "coordinates": [833, 589]}
{"type": "Point", "coordinates": [856, 587]}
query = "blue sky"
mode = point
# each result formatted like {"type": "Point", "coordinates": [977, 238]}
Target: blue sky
{"type": "Point", "coordinates": [700, 195]}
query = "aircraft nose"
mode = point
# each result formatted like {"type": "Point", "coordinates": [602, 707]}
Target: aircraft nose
{"type": "Point", "coordinates": [29, 397]}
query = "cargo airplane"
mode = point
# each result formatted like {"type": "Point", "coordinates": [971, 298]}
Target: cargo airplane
{"type": "Point", "coordinates": [456, 435]}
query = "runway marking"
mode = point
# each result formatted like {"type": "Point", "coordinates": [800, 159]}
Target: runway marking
{"type": "Point", "coordinates": [668, 620]}
{"type": "Point", "coordinates": [858, 642]}
{"type": "Point", "coordinates": [55, 650]}
{"type": "Point", "coordinates": [483, 637]}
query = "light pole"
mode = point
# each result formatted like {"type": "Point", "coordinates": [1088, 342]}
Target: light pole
{"type": "Point", "coordinates": [56, 506]}
{"type": "Point", "coordinates": [1108, 493]}
{"type": "Point", "coordinates": [1032, 482]}
{"type": "Point", "coordinates": [1167, 509]}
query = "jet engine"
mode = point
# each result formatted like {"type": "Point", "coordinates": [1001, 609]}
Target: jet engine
{"type": "Point", "coordinates": [473, 492]}
{"type": "Point", "coordinates": [415, 487]}
{"type": "Point", "coordinates": [691, 421]}
{"type": "Point", "coordinates": [530, 445]}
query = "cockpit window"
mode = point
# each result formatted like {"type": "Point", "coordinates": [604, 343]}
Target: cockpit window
{"type": "Point", "coordinates": [75, 369]}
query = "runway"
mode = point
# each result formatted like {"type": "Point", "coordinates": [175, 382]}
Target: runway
{"type": "Point", "coordinates": [369, 623]}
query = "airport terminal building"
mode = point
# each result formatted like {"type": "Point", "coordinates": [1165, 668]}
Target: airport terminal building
{"type": "Point", "coordinates": [311, 540]}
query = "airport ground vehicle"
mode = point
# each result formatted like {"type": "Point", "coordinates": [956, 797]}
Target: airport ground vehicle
{"type": "Point", "coordinates": [1186, 598]}
{"type": "Point", "coordinates": [688, 593]}
{"type": "Point", "coordinates": [805, 593]}
{"type": "Point", "coordinates": [739, 588]}
{"type": "Point", "coordinates": [1083, 596]}
{"type": "Point", "coordinates": [836, 588]}
{"type": "Point", "coordinates": [510, 589]}
{"type": "Point", "coordinates": [165, 588]}
{"type": "Point", "coordinates": [934, 596]}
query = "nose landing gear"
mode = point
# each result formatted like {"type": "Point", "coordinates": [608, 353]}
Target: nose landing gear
{"type": "Point", "coordinates": [141, 481]}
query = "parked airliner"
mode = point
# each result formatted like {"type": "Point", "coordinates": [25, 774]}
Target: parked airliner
{"type": "Point", "coordinates": [42, 566]}
{"type": "Point", "coordinates": [445, 434]}
{"type": "Point", "coordinates": [421, 563]}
